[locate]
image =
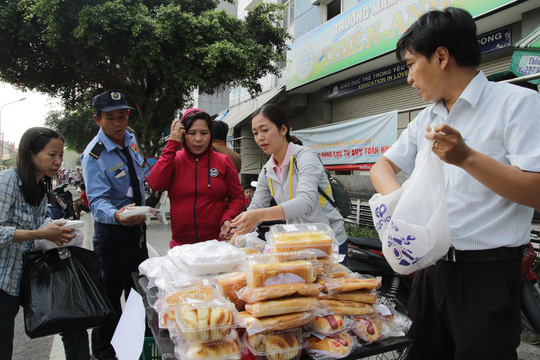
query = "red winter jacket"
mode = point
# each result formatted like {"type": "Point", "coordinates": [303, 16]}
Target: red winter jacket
{"type": "Point", "coordinates": [197, 187]}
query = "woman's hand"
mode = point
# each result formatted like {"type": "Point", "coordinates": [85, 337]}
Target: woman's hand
{"type": "Point", "coordinates": [56, 233]}
{"type": "Point", "coordinates": [225, 233]}
{"type": "Point", "coordinates": [177, 131]}
{"type": "Point", "coordinates": [246, 221]}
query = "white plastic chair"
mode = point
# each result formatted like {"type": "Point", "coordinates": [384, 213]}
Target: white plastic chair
{"type": "Point", "coordinates": [160, 207]}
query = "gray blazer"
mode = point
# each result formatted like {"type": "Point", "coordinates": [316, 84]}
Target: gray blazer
{"type": "Point", "coordinates": [306, 204]}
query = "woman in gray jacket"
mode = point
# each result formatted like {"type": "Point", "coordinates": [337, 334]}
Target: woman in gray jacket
{"type": "Point", "coordinates": [292, 177]}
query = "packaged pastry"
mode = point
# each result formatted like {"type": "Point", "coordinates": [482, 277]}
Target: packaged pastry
{"type": "Point", "coordinates": [364, 296]}
{"type": "Point", "coordinates": [383, 324]}
{"type": "Point", "coordinates": [267, 269]}
{"type": "Point", "coordinates": [282, 306]}
{"type": "Point", "coordinates": [281, 345]}
{"type": "Point", "coordinates": [176, 294]}
{"type": "Point", "coordinates": [338, 285]}
{"type": "Point", "coordinates": [335, 269]}
{"type": "Point", "coordinates": [347, 307]}
{"type": "Point", "coordinates": [256, 325]}
{"type": "Point", "coordinates": [319, 238]}
{"type": "Point", "coordinates": [252, 295]}
{"type": "Point", "coordinates": [335, 346]}
{"type": "Point", "coordinates": [230, 284]}
{"type": "Point", "coordinates": [228, 348]}
{"type": "Point", "coordinates": [328, 324]}
{"type": "Point", "coordinates": [206, 321]}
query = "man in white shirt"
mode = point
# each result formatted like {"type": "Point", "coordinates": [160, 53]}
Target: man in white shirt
{"type": "Point", "coordinates": [466, 306]}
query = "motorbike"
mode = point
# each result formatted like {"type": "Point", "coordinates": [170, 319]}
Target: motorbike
{"type": "Point", "coordinates": [366, 256]}
{"type": "Point", "coordinates": [62, 204]}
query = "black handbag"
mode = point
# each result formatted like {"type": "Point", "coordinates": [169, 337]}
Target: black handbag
{"type": "Point", "coordinates": [63, 292]}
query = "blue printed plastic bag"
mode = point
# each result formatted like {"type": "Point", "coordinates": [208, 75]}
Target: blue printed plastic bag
{"type": "Point", "coordinates": [412, 221]}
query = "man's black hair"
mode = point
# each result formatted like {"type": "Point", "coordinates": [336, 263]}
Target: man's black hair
{"type": "Point", "coordinates": [451, 28]}
{"type": "Point", "coordinates": [220, 129]}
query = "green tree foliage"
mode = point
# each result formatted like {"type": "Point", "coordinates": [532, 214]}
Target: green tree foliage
{"type": "Point", "coordinates": [156, 51]}
{"type": "Point", "coordinates": [77, 127]}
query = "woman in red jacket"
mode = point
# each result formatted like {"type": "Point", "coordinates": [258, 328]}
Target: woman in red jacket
{"type": "Point", "coordinates": [199, 180]}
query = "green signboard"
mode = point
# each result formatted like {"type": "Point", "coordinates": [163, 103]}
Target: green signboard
{"type": "Point", "coordinates": [365, 31]}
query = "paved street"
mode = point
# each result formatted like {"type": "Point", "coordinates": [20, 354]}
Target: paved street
{"type": "Point", "coordinates": [158, 235]}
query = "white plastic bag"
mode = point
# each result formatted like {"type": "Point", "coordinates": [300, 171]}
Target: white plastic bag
{"type": "Point", "coordinates": [412, 221]}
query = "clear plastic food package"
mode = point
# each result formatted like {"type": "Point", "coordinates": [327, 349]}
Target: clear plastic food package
{"type": "Point", "coordinates": [228, 348]}
{"type": "Point", "coordinates": [279, 345]}
{"type": "Point", "coordinates": [276, 269]}
{"type": "Point", "coordinates": [206, 321]}
{"type": "Point", "coordinates": [317, 237]}
{"type": "Point", "coordinates": [330, 347]}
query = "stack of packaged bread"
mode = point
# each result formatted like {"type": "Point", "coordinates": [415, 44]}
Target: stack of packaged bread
{"type": "Point", "coordinates": [294, 296]}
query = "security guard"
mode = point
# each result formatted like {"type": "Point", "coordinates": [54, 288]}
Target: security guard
{"type": "Point", "coordinates": [114, 180]}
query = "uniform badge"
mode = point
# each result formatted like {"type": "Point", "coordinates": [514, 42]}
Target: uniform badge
{"type": "Point", "coordinates": [213, 172]}
{"type": "Point", "coordinates": [134, 147]}
{"type": "Point", "coordinates": [115, 95]}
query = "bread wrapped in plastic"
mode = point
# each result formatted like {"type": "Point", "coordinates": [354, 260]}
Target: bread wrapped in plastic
{"type": "Point", "coordinates": [271, 269]}
{"type": "Point", "coordinates": [256, 325]}
{"type": "Point", "coordinates": [281, 345]}
{"type": "Point", "coordinates": [178, 293]}
{"type": "Point", "coordinates": [338, 285]}
{"type": "Point", "coordinates": [364, 296]}
{"type": "Point", "coordinates": [206, 321]}
{"type": "Point", "coordinates": [335, 346]}
{"type": "Point", "coordinates": [347, 307]}
{"type": "Point", "coordinates": [335, 270]}
{"type": "Point", "coordinates": [230, 284]}
{"type": "Point", "coordinates": [252, 295]}
{"type": "Point", "coordinates": [383, 324]}
{"type": "Point", "coordinates": [228, 348]}
{"type": "Point", "coordinates": [316, 237]}
{"type": "Point", "coordinates": [329, 324]}
{"type": "Point", "coordinates": [283, 306]}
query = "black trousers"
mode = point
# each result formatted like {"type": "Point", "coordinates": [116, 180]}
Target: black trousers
{"type": "Point", "coordinates": [120, 251]}
{"type": "Point", "coordinates": [467, 310]}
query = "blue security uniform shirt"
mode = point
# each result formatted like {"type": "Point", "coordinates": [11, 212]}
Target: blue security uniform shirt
{"type": "Point", "coordinates": [106, 176]}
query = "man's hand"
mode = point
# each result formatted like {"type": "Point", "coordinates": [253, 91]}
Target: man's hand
{"type": "Point", "coordinates": [128, 221]}
{"type": "Point", "coordinates": [449, 144]}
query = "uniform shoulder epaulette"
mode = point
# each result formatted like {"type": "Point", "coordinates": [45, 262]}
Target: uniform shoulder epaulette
{"type": "Point", "coordinates": [97, 149]}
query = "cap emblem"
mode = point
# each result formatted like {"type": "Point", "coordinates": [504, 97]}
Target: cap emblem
{"type": "Point", "coordinates": [115, 95]}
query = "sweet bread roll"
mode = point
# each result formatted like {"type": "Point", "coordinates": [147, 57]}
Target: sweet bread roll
{"type": "Point", "coordinates": [329, 324]}
{"type": "Point", "coordinates": [336, 344]}
{"type": "Point", "coordinates": [279, 346]}
{"type": "Point", "coordinates": [275, 323]}
{"type": "Point", "coordinates": [337, 285]}
{"type": "Point", "coordinates": [255, 295]}
{"type": "Point", "coordinates": [364, 296]}
{"type": "Point", "coordinates": [230, 285]}
{"type": "Point", "coordinates": [261, 274]}
{"type": "Point", "coordinates": [282, 306]}
{"type": "Point", "coordinates": [224, 350]}
{"type": "Point", "coordinates": [366, 328]}
{"type": "Point", "coordinates": [205, 323]}
{"type": "Point", "coordinates": [347, 307]}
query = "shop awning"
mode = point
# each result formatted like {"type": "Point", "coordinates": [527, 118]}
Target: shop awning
{"type": "Point", "coordinates": [526, 58]}
{"type": "Point", "coordinates": [240, 112]}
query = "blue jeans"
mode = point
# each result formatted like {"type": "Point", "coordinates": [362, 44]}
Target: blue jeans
{"type": "Point", "coordinates": [9, 307]}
